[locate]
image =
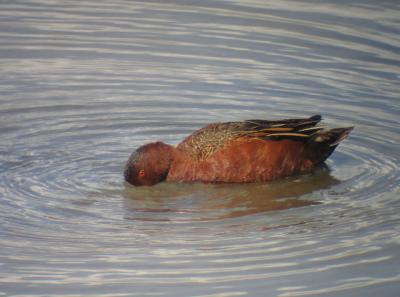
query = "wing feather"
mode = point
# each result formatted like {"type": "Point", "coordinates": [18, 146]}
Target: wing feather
{"type": "Point", "coordinates": [290, 128]}
{"type": "Point", "coordinates": [204, 142]}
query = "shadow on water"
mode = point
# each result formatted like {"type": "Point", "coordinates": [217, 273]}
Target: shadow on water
{"type": "Point", "coordinates": [198, 201]}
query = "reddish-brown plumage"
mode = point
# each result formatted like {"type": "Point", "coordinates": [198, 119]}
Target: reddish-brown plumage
{"type": "Point", "coordinates": [243, 160]}
{"type": "Point", "coordinates": [250, 151]}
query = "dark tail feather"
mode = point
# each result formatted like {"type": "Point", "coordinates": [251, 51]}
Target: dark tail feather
{"type": "Point", "coordinates": [332, 137]}
{"type": "Point", "coordinates": [324, 142]}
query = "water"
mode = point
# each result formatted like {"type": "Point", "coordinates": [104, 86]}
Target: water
{"type": "Point", "coordinates": [85, 83]}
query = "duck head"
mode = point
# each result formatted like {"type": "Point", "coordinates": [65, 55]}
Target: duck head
{"type": "Point", "coordinates": [149, 164]}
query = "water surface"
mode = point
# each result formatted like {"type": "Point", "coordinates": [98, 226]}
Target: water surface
{"type": "Point", "coordinates": [85, 83]}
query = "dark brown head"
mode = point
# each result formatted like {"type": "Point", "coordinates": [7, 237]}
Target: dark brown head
{"type": "Point", "coordinates": [149, 164]}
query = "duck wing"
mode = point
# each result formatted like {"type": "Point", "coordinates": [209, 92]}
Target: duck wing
{"type": "Point", "coordinates": [295, 129]}
{"type": "Point", "coordinates": [206, 141]}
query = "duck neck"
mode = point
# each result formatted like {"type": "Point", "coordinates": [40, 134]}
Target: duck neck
{"type": "Point", "coordinates": [163, 156]}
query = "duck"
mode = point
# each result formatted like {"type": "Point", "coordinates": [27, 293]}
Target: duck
{"type": "Point", "coordinates": [250, 151]}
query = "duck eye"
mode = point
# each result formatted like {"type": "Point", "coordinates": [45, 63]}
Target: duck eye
{"type": "Point", "coordinates": [141, 173]}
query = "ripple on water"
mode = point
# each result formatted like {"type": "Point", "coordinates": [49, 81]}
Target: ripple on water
{"type": "Point", "coordinates": [82, 86]}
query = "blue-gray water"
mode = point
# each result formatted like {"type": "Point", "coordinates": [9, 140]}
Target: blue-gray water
{"type": "Point", "coordinates": [83, 83]}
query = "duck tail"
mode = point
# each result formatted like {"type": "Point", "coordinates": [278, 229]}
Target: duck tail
{"type": "Point", "coordinates": [332, 137]}
{"type": "Point", "coordinates": [324, 142]}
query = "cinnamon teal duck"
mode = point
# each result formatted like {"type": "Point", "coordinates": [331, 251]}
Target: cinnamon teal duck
{"type": "Point", "coordinates": [237, 152]}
